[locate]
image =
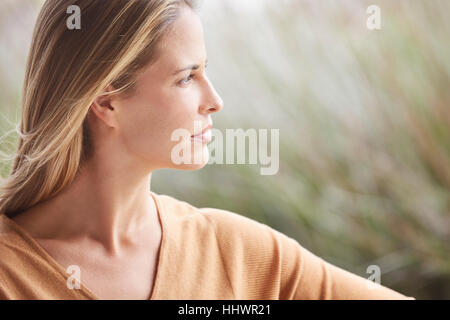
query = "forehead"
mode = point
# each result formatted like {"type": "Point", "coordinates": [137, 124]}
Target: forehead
{"type": "Point", "coordinates": [182, 44]}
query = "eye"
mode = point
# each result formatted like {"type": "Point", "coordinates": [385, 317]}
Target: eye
{"type": "Point", "coordinates": [187, 79]}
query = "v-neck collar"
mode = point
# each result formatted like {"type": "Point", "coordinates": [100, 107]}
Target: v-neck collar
{"type": "Point", "coordinates": [83, 288]}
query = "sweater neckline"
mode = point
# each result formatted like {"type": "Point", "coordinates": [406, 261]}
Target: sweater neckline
{"type": "Point", "coordinates": [83, 288]}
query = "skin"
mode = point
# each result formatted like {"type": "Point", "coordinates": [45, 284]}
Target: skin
{"type": "Point", "coordinates": [106, 221]}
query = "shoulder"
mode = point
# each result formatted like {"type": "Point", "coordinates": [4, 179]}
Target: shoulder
{"type": "Point", "coordinates": [235, 228]}
{"type": "Point", "coordinates": [232, 227]}
{"type": "Point", "coordinates": [13, 252]}
{"type": "Point", "coordinates": [12, 244]}
{"type": "Point", "coordinates": [9, 237]}
{"type": "Point", "coordinates": [240, 238]}
{"type": "Point", "coordinates": [263, 255]}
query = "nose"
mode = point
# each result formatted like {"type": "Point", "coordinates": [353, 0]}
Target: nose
{"type": "Point", "coordinates": [213, 102]}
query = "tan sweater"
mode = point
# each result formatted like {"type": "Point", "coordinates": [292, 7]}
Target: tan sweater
{"type": "Point", "coordinates": [205, 253]}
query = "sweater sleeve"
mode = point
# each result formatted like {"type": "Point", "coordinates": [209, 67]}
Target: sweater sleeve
{"type": "Point", "coordinates": [264, 263]}
{"type": "Point", "coordinates": [307, 276]}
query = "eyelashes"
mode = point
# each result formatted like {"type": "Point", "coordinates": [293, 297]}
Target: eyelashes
{"type": "Point", "coordinates": [187, 79]}
{"type": "Point", "coordinates": [190, 77]}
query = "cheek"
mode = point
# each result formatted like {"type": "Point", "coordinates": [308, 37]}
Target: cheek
{"type": "Point", "coordinates": [148, 127]}
{"type": "Point", "coordinates": [175, 109]}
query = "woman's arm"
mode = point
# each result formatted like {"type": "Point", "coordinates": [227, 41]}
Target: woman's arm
{"type": "Point", "coordinates": [307, 276]}
{"type": "Point", "coordinates": [263, 263]}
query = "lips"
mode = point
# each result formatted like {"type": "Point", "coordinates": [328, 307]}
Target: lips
{"type": "Point", "coordinates": [205, 136]}
{"type": "Point", "coordinates": [203, 131]}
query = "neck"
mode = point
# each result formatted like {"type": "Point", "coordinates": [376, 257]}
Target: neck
{"type": "Point", "coordinates": [108, 203]}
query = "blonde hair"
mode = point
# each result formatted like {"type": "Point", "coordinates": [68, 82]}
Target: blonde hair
{"type": "Point", "coordinates": [66, 70]}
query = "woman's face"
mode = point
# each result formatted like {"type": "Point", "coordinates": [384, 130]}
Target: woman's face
{"type": "Point", "coordinates": [167, 100]}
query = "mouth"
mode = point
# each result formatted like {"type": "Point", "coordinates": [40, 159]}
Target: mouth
{"type": "Point", "coordinates": [205, 136]}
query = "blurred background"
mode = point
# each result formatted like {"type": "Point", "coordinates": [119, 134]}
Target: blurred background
{"type": "Point", "coordinates": [364, 120]}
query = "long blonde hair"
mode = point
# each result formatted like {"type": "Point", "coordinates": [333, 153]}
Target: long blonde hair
{"type": "Point", "coordinates": [66, 70]}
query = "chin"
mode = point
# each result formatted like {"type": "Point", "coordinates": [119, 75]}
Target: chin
{"type": "Point", "coordinates": [198, 160]}
{"type": "Point", "coordinates": [191, 166]}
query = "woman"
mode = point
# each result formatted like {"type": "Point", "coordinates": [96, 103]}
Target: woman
{"type": "Point", "coordinates": [100, 106]}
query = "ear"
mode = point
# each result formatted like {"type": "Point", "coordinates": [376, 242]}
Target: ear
{"type": "Point", "coordinates": [103, 108]}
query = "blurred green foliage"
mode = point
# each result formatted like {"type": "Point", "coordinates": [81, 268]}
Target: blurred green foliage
{"type": "Point", "coordinates": [364, 119]}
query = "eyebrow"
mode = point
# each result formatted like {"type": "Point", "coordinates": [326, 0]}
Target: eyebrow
{"type": "Point", "coordinates": [190, 67]}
